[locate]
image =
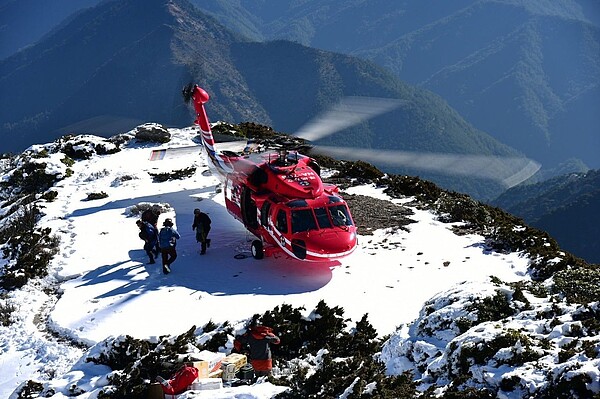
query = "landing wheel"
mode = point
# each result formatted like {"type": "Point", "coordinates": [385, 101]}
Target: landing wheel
{"type": "Point", "coordinates": [257, 249]}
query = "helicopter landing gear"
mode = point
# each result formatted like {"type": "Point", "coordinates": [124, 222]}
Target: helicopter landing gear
{"type": "Point", "coordinates": [257, 249]}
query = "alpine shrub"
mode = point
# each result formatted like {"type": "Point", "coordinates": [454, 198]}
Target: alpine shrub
{"type": "Point", "coordinates": [28, 247]}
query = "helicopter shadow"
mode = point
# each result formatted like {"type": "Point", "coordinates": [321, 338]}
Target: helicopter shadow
{"type": "Point", "coordinates": [219, 272]}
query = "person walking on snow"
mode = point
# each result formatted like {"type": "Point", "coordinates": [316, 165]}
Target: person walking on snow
{"type": "Point", "coordinates": [150, 236]}
{"type": "Point", "coordinates": [202, 226]}
{"type": "Point", "coordinates": [258, 338]}
{"type": "Point", "coordinates": [167, 238]}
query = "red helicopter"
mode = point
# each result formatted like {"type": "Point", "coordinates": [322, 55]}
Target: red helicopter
{"type": "Point", "coordinates": [279, 197]}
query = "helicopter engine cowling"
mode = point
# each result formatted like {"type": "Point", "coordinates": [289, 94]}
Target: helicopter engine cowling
{"type": "Point", "coordinates": [294, 181]}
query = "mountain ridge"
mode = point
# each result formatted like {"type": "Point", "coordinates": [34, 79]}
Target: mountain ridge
{"type": "Point", "coordinates": [563, 206]}
{"type": "Point", "coordinates": [512, 68]}
{"type": "Point", "coordinates": [132, 60]}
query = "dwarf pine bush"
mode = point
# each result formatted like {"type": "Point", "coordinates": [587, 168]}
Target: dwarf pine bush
{"type": "Point", "coordinates": [174, 175]}
{"type": "Point", "coordinates": [28, 247]}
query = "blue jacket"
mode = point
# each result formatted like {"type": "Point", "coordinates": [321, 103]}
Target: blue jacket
{"type": "Point", "coordinates": [167, 237]}
{"type": "Point", "coordinates": [151, 233]}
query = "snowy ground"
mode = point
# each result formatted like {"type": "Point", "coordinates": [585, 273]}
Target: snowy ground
{"type": "Point", "coordinates": [107, 289]}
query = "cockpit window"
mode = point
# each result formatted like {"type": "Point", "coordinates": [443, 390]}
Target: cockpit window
{"type": "Point", "coordinates": [322, 218]}
{"type": "Point", "coordinates": [303, 220]}
{"type": "Point", "coordinates": [281, 221]}
{"type": "Point", "coordinates": [340, 215]}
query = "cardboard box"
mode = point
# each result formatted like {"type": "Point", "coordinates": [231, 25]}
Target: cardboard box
{"type": "Point", "coordinates": [215, 374]}
{"type": "Point", "coordinates": [203, 384]}
{"type": "Point", "coordinates": [202, 366]}
{"type": "Point", "coordinates": [213, 358]}
{"type": "Point", "coordinates": [206, 362]}
{"type": "Point", "coordinates": [236, 359]}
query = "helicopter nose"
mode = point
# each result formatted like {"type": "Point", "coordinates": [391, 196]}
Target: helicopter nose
{"type": "Point", "coordinates": [334, 244]}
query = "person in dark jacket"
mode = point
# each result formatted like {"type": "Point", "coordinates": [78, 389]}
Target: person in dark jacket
{"type": "Point", "coordinates": [167, 239]}
{"type": "Point", "coordinates": [150, 236]}
{"type": "Point", "coordinates": [202, 226]}
{"type": "Point", "coordinates": [151, 215]}
{"type": "Point", "coordinates": [258, 339]}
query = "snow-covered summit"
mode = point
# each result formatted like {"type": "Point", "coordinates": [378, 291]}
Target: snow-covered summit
{"type": "Point", "coordinates": [427, 289]}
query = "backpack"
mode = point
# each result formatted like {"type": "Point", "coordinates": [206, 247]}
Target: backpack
{"type": "Point", "coordinates": [167, 238]}
{"type": "Point", "coordinates": [143, 234]}
{"type": "Point", "coordinates": [181, 380]}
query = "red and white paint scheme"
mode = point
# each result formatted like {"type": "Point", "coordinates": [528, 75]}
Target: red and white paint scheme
{"type": "Point", "coordinates": [280, 198]}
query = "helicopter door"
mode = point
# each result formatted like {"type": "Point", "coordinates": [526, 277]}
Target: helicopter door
{"type": "Point", "coordinates": [281, 222]}
{"type": "Point", "coordinates": [249, 211]}
{"type": "Point", "coordinates": [264, 214]}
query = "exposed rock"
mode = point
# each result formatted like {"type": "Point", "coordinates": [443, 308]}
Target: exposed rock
{"type": "Point", "coordinates": [153, 132]}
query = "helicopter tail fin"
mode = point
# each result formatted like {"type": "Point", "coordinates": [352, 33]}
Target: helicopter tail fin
{"type": "Point", "coordinates": [199, 97]}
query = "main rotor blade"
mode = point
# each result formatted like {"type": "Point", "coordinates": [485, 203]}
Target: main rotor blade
{"type": "Point", "coordinates": [349, 112]}
{"type": "Point", "coordinates": [509, 171]}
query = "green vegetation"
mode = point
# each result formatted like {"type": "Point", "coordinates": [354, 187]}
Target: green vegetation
{"type": "Point", "coordinates": [579, 284]}
{"type": "Point", "coordinates": [173, 175]}
{"type": "Point", "coordinates": [31, 178]}
{"type": "Point", "coordinates": [95, 196]}
{"type": "Point", "coordinates": [29, 248]}
{"type": "Point", "coordinates": [6, 310]}
{"type": "Point", "coordinates": [346, 358]}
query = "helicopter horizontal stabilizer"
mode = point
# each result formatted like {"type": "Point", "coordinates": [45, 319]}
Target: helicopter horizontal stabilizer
{"type": "Point", "coordinates": [163, 153]}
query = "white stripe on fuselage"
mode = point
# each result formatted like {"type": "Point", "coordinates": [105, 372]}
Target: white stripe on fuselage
{"type": "Point", "coordinates": [311, 253]}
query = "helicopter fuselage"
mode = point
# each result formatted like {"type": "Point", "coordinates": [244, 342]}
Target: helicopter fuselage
{"type": "Point", "coordinates": [280, 198]}
{"type": "Point", "coordinates": [286, 204]}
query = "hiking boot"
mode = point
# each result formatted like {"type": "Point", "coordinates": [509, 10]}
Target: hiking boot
{"type": "Point", "coordinates": [166, 268]}
{"type": "Point", "coordinates": [151, 262]}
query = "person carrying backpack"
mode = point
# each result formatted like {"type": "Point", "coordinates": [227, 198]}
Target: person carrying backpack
{"type": "Point", "coordinates": [258, 339]}
{"type": "Point", "coordinates": [202, 226]}
{"type": "Point", "coordinates": [150, 236]}
{"type": "Point", "coordinates": [151, 215]}
{"type": "Point", "coordinates": [167, 238]}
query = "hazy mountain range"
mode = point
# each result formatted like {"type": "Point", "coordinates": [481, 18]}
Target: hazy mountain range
{"type": "Point", "coordinates": [565, 206]}
{"type": "Point", "coordinates": [525, 71]}
{"type": "Point", "coordinates": [111, 66]}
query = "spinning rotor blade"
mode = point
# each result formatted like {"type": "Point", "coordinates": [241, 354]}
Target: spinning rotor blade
{"type": "Point", "coordinates": [350, 111]}
{"type": "Point", "coordinates": [509, 171]}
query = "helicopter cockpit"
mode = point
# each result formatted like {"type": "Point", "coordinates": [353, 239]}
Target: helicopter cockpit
{"type": "Point", "coordinates": [305, 218]}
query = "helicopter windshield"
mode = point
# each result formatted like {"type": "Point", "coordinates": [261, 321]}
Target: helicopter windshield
{"type": "Point", "coordinates": [320, 218]}
{"type": "Point", "coordinates": [340, 215]}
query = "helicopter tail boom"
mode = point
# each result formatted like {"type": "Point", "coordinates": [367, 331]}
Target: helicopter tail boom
{"type": "Point", "coordinates": [198, 96]}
